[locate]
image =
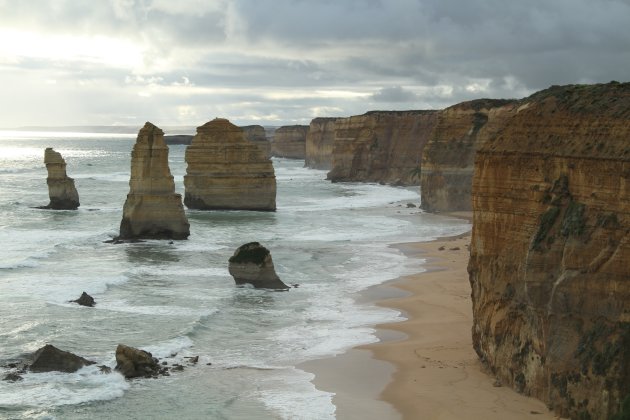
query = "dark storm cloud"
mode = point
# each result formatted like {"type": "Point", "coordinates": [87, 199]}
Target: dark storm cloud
{"type": "Point", "coordinates": [394, 94]}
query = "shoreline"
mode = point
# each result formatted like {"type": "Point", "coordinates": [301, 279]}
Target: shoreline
{"type": "Point", "coordinates": [423, 367]}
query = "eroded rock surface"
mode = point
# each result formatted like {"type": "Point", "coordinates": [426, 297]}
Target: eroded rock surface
{"type": "Point", "coordinates": [256, 134]}
{"type": "Point", "coordinates": [152, 210]}
{"type": "Point", "coordinates": [319, 143]}
{"type": "Point", "coordinates": [381, 146]}
{"type": "Point", "coordinates": [550, 251]}
{"type": "Point", "coordinates": [49, 358]}
{"type": "Point", "coordinates": [61, 190]}
{"type": "Point", "coordinates": [252, 264]}
{"type": "Point", "coordinates": [132, 362]}
{"type": "Point", "coordinates": [227, 172]}
{"type": "Point", "coordinates": [85, 300]}
{"type": "Point", "coordinates": [448, 157]}
{"type": "Point", "coordinates": [289, 141]}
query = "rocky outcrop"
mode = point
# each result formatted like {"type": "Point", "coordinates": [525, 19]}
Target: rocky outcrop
{"type": "Point", "coordinates": [152, 210]}
{"type": "Point", "coordinates": [448, 157]}
{"type": "Point", "coordinates": [256, 134]}
{"type": "Point", "coordinates": [252, 264]}
{"type": "Point", "coordinates": [61, 190]}
{"type": "Point", "coordinates": [85, 300]}
{"type": "Point", "coordinates": [289, 141]}
{"type": "Point", "coordinates": [319, 143]}
{"type": "Point", "coordinates": [133, 363]}
{"type": "Point", "coordinates": [550, 250]}
{"type": "Point", "coordinates": [381, 146]}
{"type": "Point", "coordinates": [227, 172]}
{"type": "Point", "coordinates": [49, 358]}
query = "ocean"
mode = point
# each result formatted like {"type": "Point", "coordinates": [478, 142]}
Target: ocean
{"type": "Point", "coordinates": [177, 299]}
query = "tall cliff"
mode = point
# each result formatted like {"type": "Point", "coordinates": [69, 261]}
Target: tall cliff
{"type": "Point", "coordinates": [289, 141]}
{"type": "Point", "coordinates": [152, 210]}
{"type": "Point", "coordinates": [448, 157]}
{"type": "Point", "coordinates": [381, 146]}
{"type": "Point", "coordinates": [256, 134]}
{"type": "Point", "coordinates": [550, 250]}
{"type": "Point", "coordinates": [61, 190]}
{"type": "Point", "coordinates": [319, 143]}
{"type": "Point", "coordinates": [227, 172]}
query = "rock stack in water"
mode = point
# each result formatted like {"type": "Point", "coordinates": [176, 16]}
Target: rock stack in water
{"type": "Point", "coordinates": [61, 189]}
{"type": "Point", "coordinates": [256, 134]}
{"type": "Point", "coordinates": [152, 210]}
{"type": "Point", "coordinates": [290, 142]}
{"type": "Point", "coordinates": [227, 172]}
{"type": "Point", "coordinates": [252, 264]}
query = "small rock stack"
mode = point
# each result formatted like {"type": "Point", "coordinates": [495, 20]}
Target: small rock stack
{"type": "Point", "coordinates": [61, 190]}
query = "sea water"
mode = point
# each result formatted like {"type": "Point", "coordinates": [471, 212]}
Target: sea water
{"type": "Point", "coordinates": [177, 299]}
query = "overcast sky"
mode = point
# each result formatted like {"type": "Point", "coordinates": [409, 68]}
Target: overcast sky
{"type": "Point", "coordinates": [276, 62]}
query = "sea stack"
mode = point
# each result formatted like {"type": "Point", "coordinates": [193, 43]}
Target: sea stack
{"type": "Point", "coordinates": [289, 142]}
{"type": "Point", "coordinates": [252, 264]}
{"type": "Point", "coordinates": [256, 134]}
{"type": "Point", "coordinates": [61, 190]}
{"type": "Point", "coordinates": [152, 210]}
{"type": "Point", "coordinates": [227, 172]}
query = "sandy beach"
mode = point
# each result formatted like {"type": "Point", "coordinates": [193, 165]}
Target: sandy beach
{"type": "Point", "coordinates": [424, 367]}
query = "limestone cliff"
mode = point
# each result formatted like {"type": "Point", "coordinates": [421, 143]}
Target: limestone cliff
{"type": "Point", "coordinates": [61, 190]}
{"type": "Point", "coordinates": [319, 143]}
{"type": "Point", "coordinates": [381, 146]}
{"type": "Point", "coordinates": [256, 134]}
{"type": "Point", "coordinates": [289, 141]}
{"type": "Point", "coordinates": [225, 171]}
{"type": "Point", "coordinates": [152, 210]}
{"type": "Point", "coordinates": [448, 157]}
{"type": "Point", "coordinates": [550, 251]}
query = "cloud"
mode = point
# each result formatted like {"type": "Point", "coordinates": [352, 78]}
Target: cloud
{"type": "Point", "coordinates": [394, 94]}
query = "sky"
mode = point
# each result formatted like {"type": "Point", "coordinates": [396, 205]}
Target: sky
{"type": "Point", "coordinates": [279, 62]}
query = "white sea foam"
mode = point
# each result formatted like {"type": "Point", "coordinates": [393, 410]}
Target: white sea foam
{"type": "Point", "coordinates": [166, 311]}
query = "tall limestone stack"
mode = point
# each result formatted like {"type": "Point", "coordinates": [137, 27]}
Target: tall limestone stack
{"type": "Point", "coordinates": [550, 249]}
{"type": "Point", "coordinates": [319, 143]}
{"type": "Point", "coordinates": [381, 146]}
{"type": "Point", "coordinates": [152, 210]}
{"type": "Point", "coordinates": [61, 190]}
{"type": "Point", "coordinates": [227, 172]}
{"type": "Point", "coordinates": [256, 134]}
{"type": "Point", "coordinates": [289, 141]}
{"type": "Point", "coordinates": [448, 157]}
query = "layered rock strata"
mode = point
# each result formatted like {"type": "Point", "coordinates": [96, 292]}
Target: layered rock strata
{"type": "Point", "coordinates": [319, 143]}
{"type": "Point", "coordinates": [256, 134]}
{"type": "Point", "coordinates": [152, 210]}
{"type": "Point", "coordinates": [227, 172]}
{"type": "Point", "coordinates": [381, 146]}
{"type": "Point", "coordinates": [550, 251]}
{"type": "Point", "coordinates": [252, 264]}
{"type": "Point", "coordinates": [448, 157]}
{"type": "Point", "coordinates": [289, 141]}
{"type": "Point", "coordinates": [61, 190]}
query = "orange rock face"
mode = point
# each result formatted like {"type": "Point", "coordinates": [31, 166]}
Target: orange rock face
{"type": "Point", "coordinates": [290, 142]}
{"type": "Point", "coordinates": [381, 146]}
{"type": "Point", "coordinates": [319, 143]}
{"type": "Point", "coordinates": [448, 157]}
{"type": "Point", "coordinates": [61, 190]}
{"type": "Point", "coordinates": [550, 250]}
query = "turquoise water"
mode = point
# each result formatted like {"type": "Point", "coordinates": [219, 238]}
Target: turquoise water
{"type": "Point", "coordinates": [178, 299]}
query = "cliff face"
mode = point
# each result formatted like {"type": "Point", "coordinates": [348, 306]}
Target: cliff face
{"type": "Point", "coordinates": [256, 134]}
{"type": "Point", "coordinates": [152, 210]}
{"type": "Point", "coordinates": [225, 171]}
{"type": "Point", "coordinates": [448, 157]}
{"type": "Point", "coordinates": [550, 251]}
{"type": "Point", "coordinates": [61, 190]}
{"type": "Point", "coordinates": [381, 146]}
{"type": "Point", "coordinates": [319, 143]}
{"type": "Point", "coordinates": [290, 142]}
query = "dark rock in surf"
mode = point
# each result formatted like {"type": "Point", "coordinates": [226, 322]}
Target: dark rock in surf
{"type": "Point", "coordinates": [85, 300]}
{"type": "Point", "coordinates": [134, 363]}
{"type": "Point", "coordinates": [252, 264]}
{"type": "Point", "coordinates": [49, 358]}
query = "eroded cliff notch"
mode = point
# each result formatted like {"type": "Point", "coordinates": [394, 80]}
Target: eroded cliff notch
{"type": "Point", "coordinates": [227, 172]}
{"type": "Point", "coordinates": [152, 210]}
{"type": "Point", "coordinates": [61, 190]}
{"type": "Point", "coordinates": [550, 249]}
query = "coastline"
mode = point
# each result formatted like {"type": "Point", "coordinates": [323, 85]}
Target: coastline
{"type": "Point", "coordinates": [425, 366]}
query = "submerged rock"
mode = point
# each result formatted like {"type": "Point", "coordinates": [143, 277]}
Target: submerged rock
{"type": "Point", "coordinates": [152, 210]}
{"type": "Point", "coordinates": [252, 263]}
{"type": "Point", "coordinates": [133, 363]}
{"type": "Point", "coordinates": [227, 172]}
{"type": "Point", "coordinates": [49, 358]}
{"type": "Point", "coordinates": [85, 300]}
{"type": "Point", "coordinates": [61, 190]}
